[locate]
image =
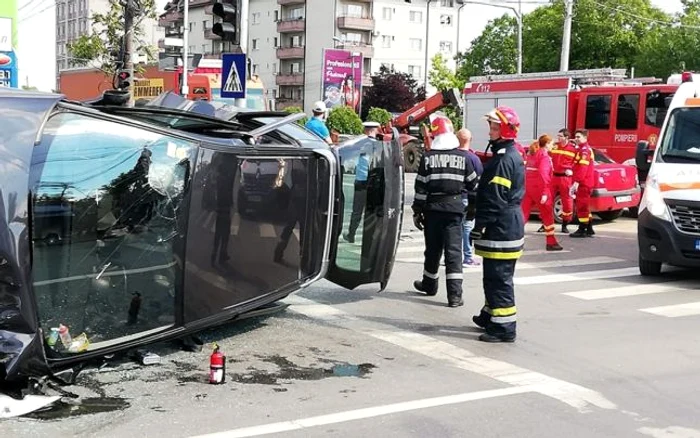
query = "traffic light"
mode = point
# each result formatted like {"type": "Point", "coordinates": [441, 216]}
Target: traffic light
{"type": "Point", "coordinates": [226, 29]}
{"type": "Point", "coordinates": [124, 80]}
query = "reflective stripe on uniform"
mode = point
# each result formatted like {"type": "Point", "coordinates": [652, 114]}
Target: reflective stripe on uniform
{"type": "Point", "coordinates": [502, 181]}
{"type": "Point", "coordinates": [454, 276]}
{"type": "Point", "coordinates": [584, 162]}
{"type": "Point", "coordinates": [500, 243]}
{"type": "Point", "coordinates": [472, 176]}
{"type": "Point", "coordinates": [420, 196]}
{"type": "Point", "coordinates": [434, 276]}
{"type": "Point", "coordinates": [443, 176]}
{"type": "Point", "coordinates": [503, 319]}
{"type": "Point", "coordinates": [422, 178]}
{"type": "Point", "coordinates": [498, 255]}
{"type": "Point", "coordinates": [532, 168]}
{"type": "Point", "coordinates": [567, 153]}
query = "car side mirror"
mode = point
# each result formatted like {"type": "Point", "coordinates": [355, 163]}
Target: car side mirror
{"type": "Point", "coordinates": [642, 156]}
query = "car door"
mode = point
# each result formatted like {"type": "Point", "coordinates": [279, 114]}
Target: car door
{"type": "Point", "coordinates": [370, 211]}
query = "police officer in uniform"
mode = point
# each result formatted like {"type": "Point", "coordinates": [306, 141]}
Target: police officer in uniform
{"type": "Point", "coordinates": [444, 174]}
{"type": "Point", "coordinates": [499, 231]}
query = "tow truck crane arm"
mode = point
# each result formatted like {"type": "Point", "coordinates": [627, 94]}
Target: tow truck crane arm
{"type": "Point", "coordinates": [424, 109]}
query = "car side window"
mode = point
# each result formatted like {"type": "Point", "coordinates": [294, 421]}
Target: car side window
{"type": "Point", "coordinates": [598, 112]}
{"type": "Point", "coordinates": [627, 111]}
{"type": "Point", "coordinates": [106, 216]}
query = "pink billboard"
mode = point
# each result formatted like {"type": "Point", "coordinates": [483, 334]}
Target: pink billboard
{"type": "Point", "coordinates": [342, 78]}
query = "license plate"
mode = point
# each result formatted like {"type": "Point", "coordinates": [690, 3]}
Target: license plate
{"type": "Point", "coordinates": [623, 198]}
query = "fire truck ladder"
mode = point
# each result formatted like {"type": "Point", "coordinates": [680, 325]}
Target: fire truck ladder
{"type": "Point", "coordinates": [580, 77]}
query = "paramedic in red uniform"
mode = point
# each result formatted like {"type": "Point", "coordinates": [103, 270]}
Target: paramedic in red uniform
{"type": "Point", "coordinates": [538, 188]}
{"type": "Point", "coordinates": [584, 179]}
{"type": "Point", "coordinates": [563, 156]}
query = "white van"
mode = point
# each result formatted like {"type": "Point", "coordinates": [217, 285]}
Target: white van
{"type": "Point", "coordinates": [668, 228]}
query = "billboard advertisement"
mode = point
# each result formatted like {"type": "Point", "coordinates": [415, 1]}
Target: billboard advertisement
{"type": "Point", "coordinates": [8, 44]}
{"type": "Point", "coordinates": [342, 78]}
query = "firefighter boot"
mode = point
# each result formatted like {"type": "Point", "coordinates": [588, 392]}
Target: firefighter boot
{"type": "Point", "coordinates": [581, 232]}
{"type": "Point", "coordinates": [418, 285]}
{"type": "Point", "coordinates": [554, 247]}
{"type": "Point", "coordinates": [564, 228]}
{"type": "Point", "coordinates": [455, 301]}
{"type": "Point", "coordinates": [589, 229]}
{"type": "Point", "coordinates": [486, 337]}
{"type": "Point", "coordinates": [541, 229]}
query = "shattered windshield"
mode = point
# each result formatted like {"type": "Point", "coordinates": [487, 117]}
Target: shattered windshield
{"type": "Point", "coordinates": [681, 140]}
{"type": "Point", "coordinates": [106, 204]}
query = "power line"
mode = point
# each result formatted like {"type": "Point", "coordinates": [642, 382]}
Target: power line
{"type": "Point", "coordinates": [36, 13]}
{"type": "Point", "coordinates": [650, 20]}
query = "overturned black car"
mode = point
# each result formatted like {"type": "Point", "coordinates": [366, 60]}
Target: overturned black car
{"type": "Point", "coordinates": [123, 226]}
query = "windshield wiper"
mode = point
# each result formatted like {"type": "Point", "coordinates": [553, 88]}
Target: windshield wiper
{"type": "Point", "coordinates": [679, 156]}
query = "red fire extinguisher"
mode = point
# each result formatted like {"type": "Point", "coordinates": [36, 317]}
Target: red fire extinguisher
{"type": "Point", "coordinates": [217, 367]}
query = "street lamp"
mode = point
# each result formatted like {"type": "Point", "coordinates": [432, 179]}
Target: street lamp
{"type": "Point", "coordinates": [519, 18]}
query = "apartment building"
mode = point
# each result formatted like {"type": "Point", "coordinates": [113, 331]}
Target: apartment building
{"type": "Point", "coordinates": [287, 38]}
{"type": "Point", "coordinates": [74, 18]}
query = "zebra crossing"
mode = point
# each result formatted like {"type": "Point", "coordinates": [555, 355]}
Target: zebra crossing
{"type": "Point", "coordinates": [614, 281]}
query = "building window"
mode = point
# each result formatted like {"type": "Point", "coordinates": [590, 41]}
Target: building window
{"type": "Point", "coordinates": [353, 11]}
{"type": "Point", "coordinates": [256, 18]}
{"type": "Point", "coordinates": [446, 19]}
{"type": "Point", "coordinates": [276, 42]}
{"type": "Point", "coordinates": [447, 3]}
{"type": "Point", "coordinates": [191, 26]}
{"type": "Point", "coordinates": [255, 69]}
{"type": "Point", "coordinates": [256, 44]}
{"type": "Point", "coordinates": [415, 71]}
{"type": "Point", "coordinates": [277, 16]}
{"type": "Point", "coordinates": [205, 25]}
{"type": "Point", "coordinates": [387, 13]}
{"type": "Point", "coordinates": [296, 41]}
{"type": "Point", "coordinates": [446, 46]}
{"type": "Point", "coordinates": [296, 14]}
{"type": "Point", "coordinates": [274, 67]}
{"type": "Point", "coordinates": [352, 38]}
{"type": "Point", "coordinates": [388, 66]}
{"type": "Point", "coordinates": [204, 48]}
{"type": "Point", "coordinates": [386, 41]}
{"type": "Point", "coordinates": [416, 44]}
{"type": "Point", "coordinates": [598, 112]}
{"type": "Point", "coordinates": [296, 68]}
{"type": "Point", "coordinates": [415, 17]}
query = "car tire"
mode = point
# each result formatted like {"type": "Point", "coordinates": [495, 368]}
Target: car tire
{"type": "Point", "coordinates": [609, 216]}
{"type": "Point", "coordinates": [634, 212]}
{"type": "Point", "coordinates": [412, 153]}
{"type": "Point", "coordinates": [649, 268]}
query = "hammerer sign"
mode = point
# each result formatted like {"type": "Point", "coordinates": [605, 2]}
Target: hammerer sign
{"type": "Point", "coordinates": [148, 88]}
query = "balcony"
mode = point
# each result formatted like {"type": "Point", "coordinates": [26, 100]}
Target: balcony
{"type": "Point", "coordinates": [170, 17]}
{"type": "Point", "coordinates": [290, 79]}
{"type": "Point", "coordinates": [290, 2]}
{"type": "Point", "coordinates": [283, 103]}
{"type": "Point", "coordinates": [295, 25]}
{"type": "Point", "coordinates": [210, 35]}
{"type": "Point", "coordinates": [355, 22]}
{"type": "Point", "coordinates": [290, 52]}
{"type": "Point", "coordinates": [366, 49]}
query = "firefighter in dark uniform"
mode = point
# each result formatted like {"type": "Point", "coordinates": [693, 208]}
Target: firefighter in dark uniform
{"type": "Point", "coordinates": [445, 172]}
{"type": "Point", "coordinates": [499, 231]}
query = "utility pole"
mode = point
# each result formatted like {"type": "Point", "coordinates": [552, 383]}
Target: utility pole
{"type": "Point", "coordinates": [243, 42]}
{"type": "Point", "coordinates": [427, 38]}
{"type": "Point", "coordinates": [566, 38]}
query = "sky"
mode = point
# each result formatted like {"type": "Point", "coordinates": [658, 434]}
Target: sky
{"type": "Point", "coordinates": [37, 39]}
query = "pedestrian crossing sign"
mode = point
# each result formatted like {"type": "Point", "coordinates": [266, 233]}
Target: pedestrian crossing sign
{"type": "Point", "coordinates": [233, 78]}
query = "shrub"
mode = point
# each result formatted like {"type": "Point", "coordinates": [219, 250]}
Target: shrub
{"type": "Point", "coordinates": [379, 115]}
{"type": "Point", "coordinates": [296, 109]}
{"type": "Point", "coordinates": [344, 120]}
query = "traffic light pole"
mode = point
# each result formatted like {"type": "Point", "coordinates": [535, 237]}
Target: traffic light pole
{"type": "Point", "coordinates": [243, 42]}
{"type": "Point", "coordinates": [185, 48]}
{"type": "Point", "coordinates": [128, 61]}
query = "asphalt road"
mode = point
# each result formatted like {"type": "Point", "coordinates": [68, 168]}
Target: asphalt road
{"type": "Point", "coordinates": [601, 352]}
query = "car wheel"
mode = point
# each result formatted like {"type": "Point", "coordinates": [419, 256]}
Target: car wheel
{"type": "Point", "coordinates": [412, 152]}
{"type": "Point", "coordinates": [557, 209]}
{"type": "Point", "coordinates": [609, 216]}
{"type": "Point", "coordinates": [649, 268]}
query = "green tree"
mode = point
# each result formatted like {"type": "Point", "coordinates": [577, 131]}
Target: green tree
{"type": "Point", "coordinates": [394, 91]}
{"type": "Point", "coordinates": [441, 76]}
{"type": "Point", "coordinates": [379, 115]}
{"type": "Point", "coordinates": [104, 44]}
{"type": "Point", "coordinates": [294, 110]}
{"type": "Point", "coordinates": [344, 120]}
{"type": "Point", "coordinates": [610, 33]}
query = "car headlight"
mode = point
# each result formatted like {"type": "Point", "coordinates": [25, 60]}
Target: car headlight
{"type": "Point", "coordinates": [654, 201]}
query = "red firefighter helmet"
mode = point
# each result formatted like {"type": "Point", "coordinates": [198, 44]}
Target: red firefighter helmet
{"type": "Point", "coordinates": [508, 119]}
{"type": "Point", "coordinates": [440, 124]}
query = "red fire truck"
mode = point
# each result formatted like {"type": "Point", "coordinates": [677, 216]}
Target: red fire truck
{"type": "Point", "coordinates": [617, 112]}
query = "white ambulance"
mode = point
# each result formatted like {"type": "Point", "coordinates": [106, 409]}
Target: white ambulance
{"type": "Point", "coordinates": [668, 229]}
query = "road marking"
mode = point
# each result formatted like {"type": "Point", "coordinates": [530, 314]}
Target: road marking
{"type": "Point", "coordinates": [630, 291]}
{"type": "Point", "coordinates": [267, 230]}
{"type": "Point", "coordinates": [573, 395]}
{"type": "Point", "coordinates": [567, 263]}
{"type": "Point", "coordinates": [577, 276]}
{"type": "Point", "coordinates": [670, 432]}
{"type": "Point", "coordinates": [360, 414]}
{"type": "Point", "coordinates": [676, 310]}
